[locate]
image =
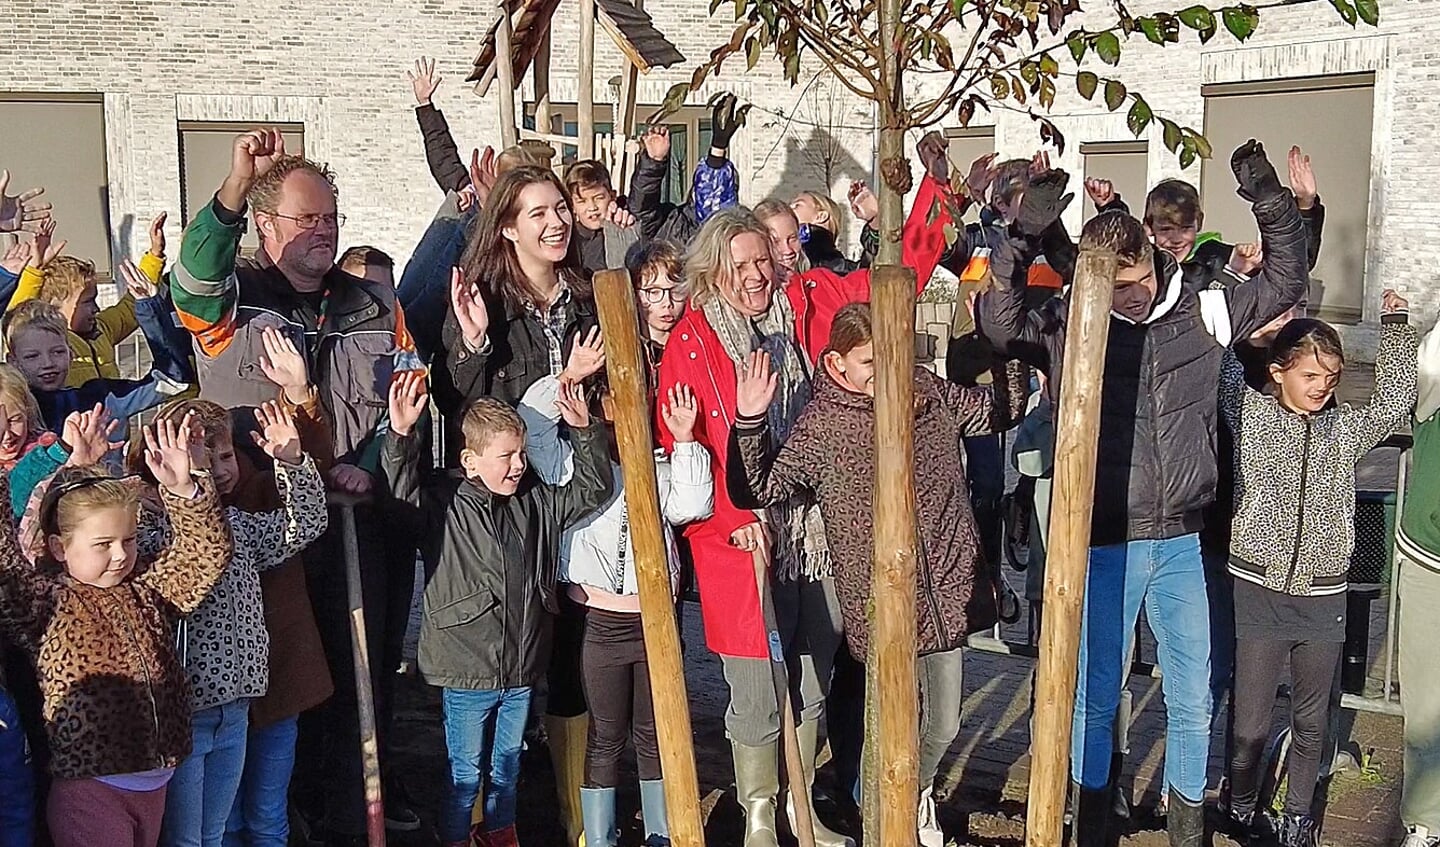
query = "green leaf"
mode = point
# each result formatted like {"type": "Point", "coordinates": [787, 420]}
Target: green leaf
{"type": "Point", "coordinates": [1241, 21]}
{"type": "Point", "coordinates": [1187, 157]}
{"type": "Point", "coordinates": [1346, 10]}
{"type": "Point", "coordinates": [715, 4]}
{"type": "Point", "coordinates": [1077, 44]}
{"type": "Point", "coordinates": [1114, 94]}
{"type": "Point", "coordinates": [1139, 117]}
{"type": "Point", "coordinates": [1030, 72]}
{"type": "Point", "coordinates": [957, 6]}
{"type": "Point", "coordinates": [1202, 145]}
{"type": "Point", "coordinates": [752, 52]}
{"type": "Point", "coordinates": [1197, 18]}
{"type": "Point", "coordinates": [1173, 136]}
{"type": "Point", "coordinates": [1017, 90]}
{"type": "Point", "coordinates": [792, 67]}
{"type": "Point", "coordinates": [1151, 28]}
{"type": "Point", "coordinates": [1047, 92]}
{"type": "Point", "coordinates": [1085, 83]}
{"type": "Point", "coordinates": [1048, 65]}
{"type": "Point", "coordinates": [1107, 47]}
{"type": "Point", "coordinates": [674, 99]}
{"type": "Point", "coordinates": [1369, 11]}
{"type": "Point", "coordinates": [740, 8]}
{"type": "Point", "coordinates": [933, 212]}
{"type": "Point", "coordinates": [999, 87]}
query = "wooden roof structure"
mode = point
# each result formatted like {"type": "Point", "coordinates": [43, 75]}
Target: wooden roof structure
{"type": "Point", "coordinates": [632, 29]}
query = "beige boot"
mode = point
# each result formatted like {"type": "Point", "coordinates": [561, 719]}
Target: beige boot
{"type": "Point", "coordinates": [757, 784]}
{"type": "Point", "coordinates": [809, 737]}
{"type": "Point", "coordinates": [566, 739]}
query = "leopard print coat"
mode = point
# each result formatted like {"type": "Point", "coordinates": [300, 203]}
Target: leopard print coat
{"type": "Point", "coordinates": [226, 648]}
{"type": "Point", "coordinates": [115, 696]}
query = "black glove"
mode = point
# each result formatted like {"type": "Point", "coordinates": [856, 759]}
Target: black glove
{"type": "Point", "coordinates": [1254, 173]}
{"type": "Point", "coordinates": [1043, 203]}
{"type": "Point", "coordinates": [725, 119]}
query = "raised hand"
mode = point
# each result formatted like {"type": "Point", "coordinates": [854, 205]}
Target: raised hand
{"type": "Point", "coordinates": [1254, 174]}
{"type": "Point", "coordinates": [1391, 302]}
{"type": "Point", "coordinates": [680, 412]}
{"type": "Point", "coordinates": [574, 411]}
{"type": "Point", "coordinates": [408, 400]}
{"type": "Point", "coordinates": [863, 202]}
{"type": "Point", "coordinates": [470, 310]}
{"type": "Point", "coordinates": [657, 142]}
{"type": "Point", "coordinates": [619, 216]}
{"type": "Point", "coordinates": [167, 453]}
{"type": "Point", "coordinates": [283, 365]}
{"type": "Point", "coordinates": [482, 173]}
{"type": "Point", "coordinates": [979, 177]}
{"type": "Point", "coordinates": [278, 436]}
{"type": "Point", "coordinates": [424, 80]}
{"type": "Point", "coordinates": [253, 155]}
{"type": "Point", "coordinates": [1302, 179]}
{"type": "Point", "coordinates": [1043, 203]}
{"type": "Point", "coordinates": [1101, 191]}
{"type": "Point", "coordinates": [755, 384]}
{"type": "Point", "coordinates": [137, 283]}
{"type": "Point", "coordinates": [725, 119]}
{"type": "Point", "coordinates": [87, 434]}
{"type": "Point", "coordinates": [16, 258]}
{"type": "Point", "coordinates": [20, 211]}
{"type": "Point", "coordinates": [42, 250]}
{"type": "Point", "coordinates": [587, 357]}
{"type": "Point", "coordinates": [157, 235]}
{"type": "Point", "coordinates": [1039, 163]}
{"type": "Point", "coordinates": [1245, 259]}
{"type": "Point", "coordinates": [932, 152]}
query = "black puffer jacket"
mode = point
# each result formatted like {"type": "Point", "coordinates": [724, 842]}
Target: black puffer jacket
{"type": "Point", "coordinates": [490, 561]}
{"type": "Point", "coordinates": [1156, 466]}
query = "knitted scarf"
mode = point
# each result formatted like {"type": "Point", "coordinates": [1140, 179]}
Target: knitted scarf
{"type": "Point", "coordinates": [800, 546]}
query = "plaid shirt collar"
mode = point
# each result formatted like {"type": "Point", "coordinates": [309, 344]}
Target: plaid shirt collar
{"type": "Point", "coordinates": [553, 320]}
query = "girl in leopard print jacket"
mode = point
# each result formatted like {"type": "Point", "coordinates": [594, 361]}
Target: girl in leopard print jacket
{"type": "Point", "coordinates": [1292, 537]}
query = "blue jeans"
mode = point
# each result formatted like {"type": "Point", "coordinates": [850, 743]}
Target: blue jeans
{"type": "Point", "coordinates": [202, 792]}
{"type": "Point", "coordinates": [259, 816]}
{"type": "Point", "coordinates": [17, 780]}
{"type": "Point", "coordinates": [475, 720]}
{"type": "Point", "coordinates": [1168, 577]}
{"type": "Point", "coordinates": [424, 287]}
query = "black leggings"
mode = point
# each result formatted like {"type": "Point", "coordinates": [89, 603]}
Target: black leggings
{"type": "Point", "coordinates": [1258, 665]}
{"type": "Point", "coordinates": [617, 686]}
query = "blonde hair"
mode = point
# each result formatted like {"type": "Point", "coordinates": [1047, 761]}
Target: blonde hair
{"type": "Point", "coordinates": [75, 493]}
{"type": "Point", "coordinates": [487, 418]}
{"type": "Point", "coordinates": [831, 208]}
{"type": "Point", "coordinates": [15, 394]}
{"type": "Point", "coordinates": [709, 259]}
{"type": "Point", "coordinates": [36, 315]}
{"type": "Point", "coordinates": [65, 277]}
{"type": "Point", "coordinates": [772, 208]}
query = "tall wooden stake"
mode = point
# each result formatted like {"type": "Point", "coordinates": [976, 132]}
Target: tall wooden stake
{"type": "Point", "coordinates": [892, 590]}
{"type": "Point", "coordinates": [585, 81]}
{"type": "Point", "coordinates": [360, 655]}
{"type": "Point", "coordinates": [625, 369]}
{"type": "Point", "coordinates": [1077, 427]}
{"type": "Point", "coordinates": [505, 70]}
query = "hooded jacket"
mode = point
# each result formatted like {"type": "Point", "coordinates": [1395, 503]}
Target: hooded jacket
{"type": "Point", "coordinates": [831, 453]}
{"type": "Point", "coordinates": [1156, 463]}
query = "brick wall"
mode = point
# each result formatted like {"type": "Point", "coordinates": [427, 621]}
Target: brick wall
{"type": "Point", "coordinates": [338, 68]}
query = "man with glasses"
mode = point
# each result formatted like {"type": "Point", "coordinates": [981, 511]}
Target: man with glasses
{"type": "Point", "coordinates": [351, 332]}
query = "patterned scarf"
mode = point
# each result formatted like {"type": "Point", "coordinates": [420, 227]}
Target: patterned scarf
{"type": "Point", "coordinates": [801, 549]}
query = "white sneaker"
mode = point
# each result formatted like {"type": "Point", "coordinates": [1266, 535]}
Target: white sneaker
{"type": "Point", "coordinates": [929, 824]}
{"type": "Point", "coordinates": [1420, 837]}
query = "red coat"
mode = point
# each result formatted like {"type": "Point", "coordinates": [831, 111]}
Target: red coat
{"type": "Point", "coordinates": [694, 356]}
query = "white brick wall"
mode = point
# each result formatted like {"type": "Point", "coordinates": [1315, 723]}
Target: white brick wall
{"type": "Point", "coordinates": [338, 68]}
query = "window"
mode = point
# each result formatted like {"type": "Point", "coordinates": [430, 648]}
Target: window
{"type": "Point", "coordinates": [205, 161]}
{"type": "Point", "coordinates": [1331, 117]}
{"type": "Point", "coordinates": [34, 130]}
{"type": "Point", "coordinates": [966, 145]}
{"type": "Point", "coordinates": [1124, 163]}
{"type": "Point", "coordinates": [690, 133]}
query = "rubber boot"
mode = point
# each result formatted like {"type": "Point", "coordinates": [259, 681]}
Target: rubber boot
{"type": "Point", "coordinates": [1092, 817]}
{"type": "Point", "coordinates": [757, 785]}
{"type": "Point", "coordinates": [567, 754]}
{"type": "Point", "coordinates": [1121, 804]}
{"type": "Point", "coordinates": [597, 809]}
{"type": "Point", "coordinates": [928, 827]}
{"type": "Point", "coordinates": [652, 812]}
{"type": "Point", "coordinates": [1185, 822]}
{"type": "Point", "coordinates": [809, 738]}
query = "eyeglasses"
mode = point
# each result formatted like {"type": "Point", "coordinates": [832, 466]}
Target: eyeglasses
{"type": "Point", "coordinates": [312, 221]}
{"type": "Point", "coordinates": [656, 296]}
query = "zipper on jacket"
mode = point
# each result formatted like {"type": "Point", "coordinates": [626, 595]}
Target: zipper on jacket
{"type": "Point", "coordinates": [1299, 509]}
{"type": "Point", "coordinates": [922, 572]}
{"type": "Point", "coordinates": [149, 684]}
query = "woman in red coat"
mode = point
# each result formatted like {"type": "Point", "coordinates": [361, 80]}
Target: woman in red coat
{"type": "Point", "coordinates": [741, 300]}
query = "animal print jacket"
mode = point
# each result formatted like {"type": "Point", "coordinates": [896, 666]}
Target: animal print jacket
{"type": "Point", "coordinates": [115, 696]}
{"type": "Point", "coordinates": [1294, 525]}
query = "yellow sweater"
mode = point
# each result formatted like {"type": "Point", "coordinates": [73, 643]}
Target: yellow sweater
{"type": "Point", "coordinates": [94, 357]}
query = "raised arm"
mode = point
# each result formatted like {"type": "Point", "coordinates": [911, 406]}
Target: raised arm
{"type": "Point", "coordinates": [591, 481]}
{"type": "Point", "coordinates": [1393, 398]}
{"type": "Point", "coordinates": [690, 495]}
{"type": "Point", "coordinates": [983, 409]}
{"type": "Point", "coordinates": [649, 178]}
{"type": "Point", "coordinates": [759, 473]}
{"type": "Point", "coordinates": [27, 598]}
{"type": "Point", "coordinates": [1285, 277]}
{"type": "Point", "coordinates": [441, 154]}
{"type": "Point", "coordinates": [279, 534]}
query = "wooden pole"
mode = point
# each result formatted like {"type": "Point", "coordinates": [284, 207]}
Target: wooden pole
{"type": "Point", "coordinates": [540, 71]}
{"type": "Point", "coordinates": [625, 369]}
{"type": "Point", "coordinates": [1077, 427]}
{"type": "Point", "coordinates": [360, 653]}
{"type": "Point", "coordinates": [625, 117]}
{"type": "Point", "coordinates": [585, 81]}
{"type": "Point", "coordinates": [893, 578]}
{"type": "Point", "coordinates": [505, 70]}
